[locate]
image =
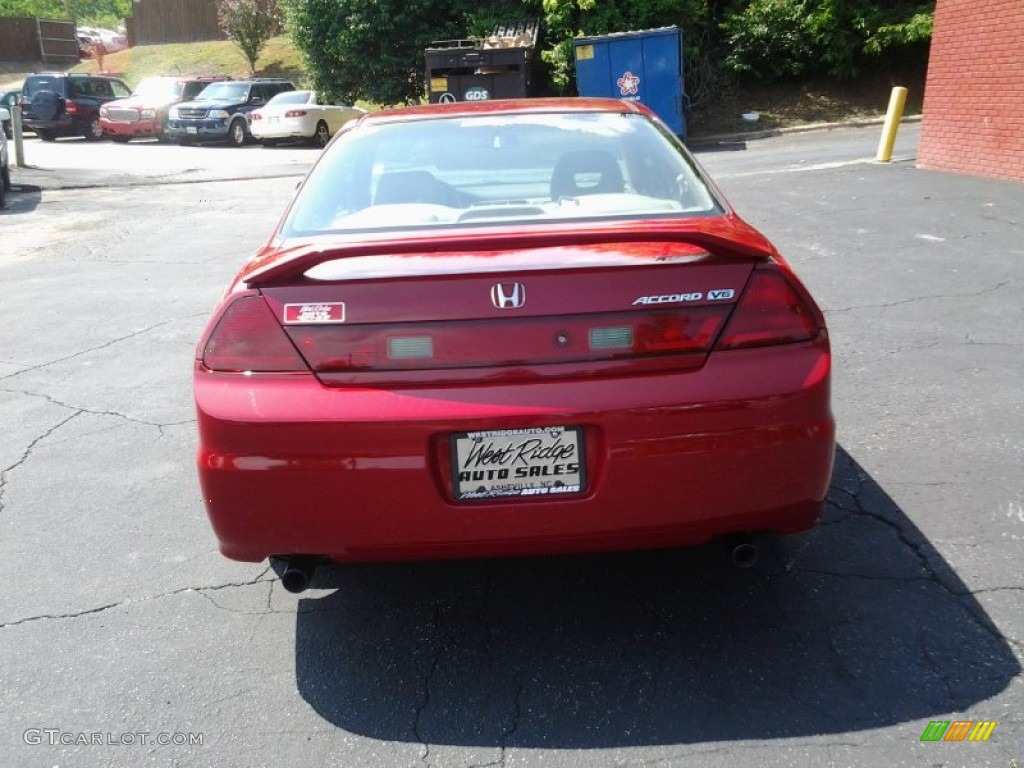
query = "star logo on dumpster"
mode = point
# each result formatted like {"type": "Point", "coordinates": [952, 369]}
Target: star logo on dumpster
{"type": "Point", "coordinates": [628, 84]}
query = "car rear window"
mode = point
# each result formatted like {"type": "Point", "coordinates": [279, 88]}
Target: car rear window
{"type": "Point", "coordinates": [518, 169]}
{"type": "Point", "coordinates": [291, 97]}
{"type": "Point", "coordinates": [34, 85]}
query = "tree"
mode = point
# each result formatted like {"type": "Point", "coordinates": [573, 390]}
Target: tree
{"type": "Point", "coordinates": [249, 24]}
{"type": "Point", "coordinates": [785, 38]}
{"type": "Point", "coordinates": [372, 50]}
{"type": "Point", "coordinates": [93, 12]}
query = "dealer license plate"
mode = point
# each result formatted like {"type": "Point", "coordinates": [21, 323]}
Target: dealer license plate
{"type": "Point", "coordinates": [191, 129]}
{"type": "Point", "coordinates": [545, 461]}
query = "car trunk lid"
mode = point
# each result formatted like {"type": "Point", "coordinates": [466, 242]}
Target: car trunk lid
{"type": "Point", "coordinates": [499, 314]}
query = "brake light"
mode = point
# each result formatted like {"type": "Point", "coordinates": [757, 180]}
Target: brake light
{"type": "Point", "coordinates": [248, 338]}
{"type": "Point", "coordinates": [71, 107]}
{"type": "Point", "coordinates": [256, 116]}
{"type": "Point", "coordinates": [771, 311]}
{"type": "Point", "coordinates": [296, 113]}
{"type": "Point", "coordinates": [508, 342]}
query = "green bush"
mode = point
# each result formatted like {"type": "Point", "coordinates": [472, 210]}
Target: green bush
{"type": "Point", "coordinates": [769, 39]}
{"type": "Point", "coordinates": [773, 39]}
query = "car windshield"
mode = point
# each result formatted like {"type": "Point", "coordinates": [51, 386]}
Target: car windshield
{"type": "Point", "coordinates": [224, 91]}
{"type": "Point", "coordinates": [290, 97]}
{"type": "Point", "coordinates": [486, 169]}
{"type": "Point", "coordinates": [159, 88]}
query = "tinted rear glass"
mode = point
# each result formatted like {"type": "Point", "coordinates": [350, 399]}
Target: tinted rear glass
{"type": "Point", "coordinates": [42, 83]}
{"type": "Point", "coordinates": [518, 169]}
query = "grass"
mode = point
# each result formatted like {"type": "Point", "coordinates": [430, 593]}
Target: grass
{"type": "Point", "coordinates": [213, 57]}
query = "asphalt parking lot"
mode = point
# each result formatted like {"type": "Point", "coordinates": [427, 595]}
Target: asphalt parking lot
{"type": "Point", "coordinates": [121, 625]}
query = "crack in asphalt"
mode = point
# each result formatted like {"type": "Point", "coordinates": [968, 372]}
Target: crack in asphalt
{"type": "Point", "coordinates": [917, 548]}
{"type": "Point", "coordinates": [131, 335]}
{"type": "Point", "coordinates": [996, 287]}
{"type": "Point", "coordinates": [425, 697]}
{"type": "Point", "coordinates": [96, 412]}
{"type": "Point", "coordinates": [28, 452]}
{"type": "Point", "coordinates": [136, 601]}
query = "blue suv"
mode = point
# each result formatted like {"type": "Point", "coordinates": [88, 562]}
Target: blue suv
{"type": "Point", "coordinates": [221, 111]}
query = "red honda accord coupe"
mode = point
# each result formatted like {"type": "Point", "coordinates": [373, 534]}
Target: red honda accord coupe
{"type": "Point", "coordinates": [509, 328]}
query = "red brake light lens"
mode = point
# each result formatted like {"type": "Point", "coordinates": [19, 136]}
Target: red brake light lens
{"type": "Point", "coordinates": [771, 311]}
{"type": "Point", "coordinates": [296, 113]}
{"type": "Point", "coordinates": [249, 338]}
{"type": "Point", "coordinates": [71, 107]}
{"type": "Point", "coordinates": [256, 116]}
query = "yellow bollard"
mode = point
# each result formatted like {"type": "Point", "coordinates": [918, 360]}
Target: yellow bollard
{"type": "Point", "coordinates": [892, 124]}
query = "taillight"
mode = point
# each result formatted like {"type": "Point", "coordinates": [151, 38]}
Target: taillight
{"type": "Point", "coordinates": [256, 116]}
{"type": "Point", "coordinates": [296, 113]}
{"type": "Point", "coordinates": [248, 338]}
{"type": "Point", "coordinates": [771, 311]}
{"type": "Point", "coordinates": [509, 342]}
{"type": "Point", "coordinates": [71, 107]}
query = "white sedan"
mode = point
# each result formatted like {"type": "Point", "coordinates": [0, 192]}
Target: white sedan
{"type": "Point", "coordinates": [298, 115]}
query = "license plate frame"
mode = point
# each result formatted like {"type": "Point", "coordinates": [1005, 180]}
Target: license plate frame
{"type": "Point", "coordinates": [191, 129]}
{"type": "Point", "coordinates": [519, 463]}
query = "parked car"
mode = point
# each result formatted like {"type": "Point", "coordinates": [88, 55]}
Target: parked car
{"type": "Point", "coordinates": [8, 99]}
{"type": "Point", "coordinates": [66, 104]}
{"type": "Point", "coordinates": [299, 115]}
{"type": "Point", "coordinates": [5, 160]}
{"type": "Point", "coordinates": [221, 111]}
{"type": "Point", "coordinates": [509, 328]}
{"type": "Point", "coordinates": [144, 113]}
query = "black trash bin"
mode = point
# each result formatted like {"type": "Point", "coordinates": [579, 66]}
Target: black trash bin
{"type": "Point", "coordinates": [496, 67]}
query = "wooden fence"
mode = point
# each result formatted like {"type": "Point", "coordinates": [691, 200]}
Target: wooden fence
{"type": "Point", "coordinates": [173, 21]}
{"type": "Point", "coordinates": [24, 38]}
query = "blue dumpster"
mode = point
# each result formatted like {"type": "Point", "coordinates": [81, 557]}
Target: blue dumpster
{"type": "Point", "coordinates": [644, 66]}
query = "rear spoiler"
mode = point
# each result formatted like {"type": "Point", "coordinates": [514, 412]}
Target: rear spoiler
{"type": "Point", "coordinates": [723, 236]}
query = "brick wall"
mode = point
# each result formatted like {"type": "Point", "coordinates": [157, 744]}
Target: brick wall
{"type": "Point", "coordinates": [974, 97]}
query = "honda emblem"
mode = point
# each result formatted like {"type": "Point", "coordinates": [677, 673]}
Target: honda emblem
{"type": "Point", "coordinates": [508, 295]}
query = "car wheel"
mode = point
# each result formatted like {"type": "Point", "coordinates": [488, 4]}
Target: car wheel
{"type": "Point", "coordinates": [236, 133]}
{"type": "Point", "coordinates": [322, 135]}
{"type": "Point", "coordinates": [161, 134]}
{"type": "Point", "coordinates": [93, 130]}
{"type": "Point", "coordinates": [46, 135]}
{"type": "Point", "coordinates": [5, 179]}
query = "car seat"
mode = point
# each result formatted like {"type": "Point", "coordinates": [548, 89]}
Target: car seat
{"type": "Point", "coordinates": [586, 173]}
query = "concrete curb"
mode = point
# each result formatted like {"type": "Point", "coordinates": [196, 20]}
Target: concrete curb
{"type": "Point", "coordinates": [731, 138]}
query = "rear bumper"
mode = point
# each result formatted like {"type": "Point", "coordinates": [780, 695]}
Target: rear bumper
{"type": "Point", "coordinates": [283, 129]}
{"type": "Point", "coordinates": [61, 126]}
{"type": "Point", "coordinates": [288, 466]}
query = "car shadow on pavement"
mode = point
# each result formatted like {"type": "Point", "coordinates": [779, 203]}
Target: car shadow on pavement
{"type": "Point", "coordinates": [22, 198]}
{"type": "Point", "coordinates": [855, 625]}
